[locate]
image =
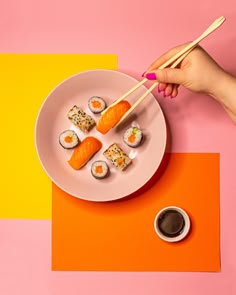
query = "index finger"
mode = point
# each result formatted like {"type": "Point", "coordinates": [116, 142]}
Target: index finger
{"type": "Point", "coordinates": [165, 57]}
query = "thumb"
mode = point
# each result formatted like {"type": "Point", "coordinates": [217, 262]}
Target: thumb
{"type": "Point", "coordinates": [168, 75]}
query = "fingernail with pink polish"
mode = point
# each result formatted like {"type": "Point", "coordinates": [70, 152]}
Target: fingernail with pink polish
{"type": "Point", "coordinates": [143, 74]}
{"type": "Point", "coordinates": [151, 76]}
{"type": "Point", "coordinates": [158, 88]}
{"type": "Point", "coordinates": [164, 93]}
{"type": "Point", "coordinates": [171, 96]}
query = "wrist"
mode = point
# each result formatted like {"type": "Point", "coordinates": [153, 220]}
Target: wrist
{"type": "Point", "coordinates": [224, 92]}
{"type": "Point", "coordinates": [223, 87]}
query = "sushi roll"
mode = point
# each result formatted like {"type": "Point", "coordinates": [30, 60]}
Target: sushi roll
{"type": "Point", "coordinates": [80, 119]}
{"type": "Point", "coordinates": [84, 152]}
{"type": "Point", "coordinates": [117, 156]}
{"type": "Point", "coordinates": [68, 139]}
{"type": "Point", "coordinates": [96, 104]}
{"type": "Point", "coordinates": [99, 169]}
{"type": "Point", "coordinates": [133, 136]}
{"type": "Point", "coordinates": [112, 116]}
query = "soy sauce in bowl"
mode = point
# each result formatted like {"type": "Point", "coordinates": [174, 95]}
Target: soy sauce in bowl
{"type": "Point", "coordinates": [172, 224]}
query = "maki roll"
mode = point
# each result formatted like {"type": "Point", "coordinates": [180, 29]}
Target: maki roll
{"type": "Point", "coordinates": [68, 139]}
{"type": "Point", "coordinates": [80, 119]}
{"type": "Point", "coordinates": [133, 136]}
{"type": "Point", "coordinates": [117, 156]}
{"type": "Point", "coordinates": [99, 169]}
{"type": "Point", "coordinates": [97, 104]}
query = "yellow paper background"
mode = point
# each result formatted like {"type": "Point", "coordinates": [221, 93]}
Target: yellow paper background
{"type": "Point", "coordinates": [25, 81]}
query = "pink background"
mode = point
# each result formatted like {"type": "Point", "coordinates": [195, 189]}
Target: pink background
{"type": "Point", "coordinates": [138, 32]}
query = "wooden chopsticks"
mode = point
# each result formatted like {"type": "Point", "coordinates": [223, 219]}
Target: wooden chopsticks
{"type": "Point", "coordinates": [173, 61]}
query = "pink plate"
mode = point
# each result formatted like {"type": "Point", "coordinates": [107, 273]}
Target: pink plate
{"type": "Point", "coordinates": [52, 120]}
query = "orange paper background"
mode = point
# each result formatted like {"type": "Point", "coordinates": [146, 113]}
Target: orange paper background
{"type": "Point", "coordinates": [119, 236]}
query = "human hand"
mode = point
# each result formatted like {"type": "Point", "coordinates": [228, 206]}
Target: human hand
{"type": "Point", "coordinates": [198, 72]}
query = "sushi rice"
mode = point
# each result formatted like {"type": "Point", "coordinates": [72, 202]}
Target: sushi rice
{"type": "Point", "coordinates": [97, 104]}
{"type": "Point", "coordinates": [133, 136]}
{"type": "Point", "coordinates": [68, 139]}
{"type": "Point", "coordinates": [99, 169]}
{"type": "Point", "coordinates": [117, 156]}
{"type": "Point", "coordinates": [81, 119]}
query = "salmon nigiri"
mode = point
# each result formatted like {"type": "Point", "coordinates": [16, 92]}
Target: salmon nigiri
{"type": "Point", "coordinates": [84, 152]}
{"type": "Point", "coordinates": [112, 116]}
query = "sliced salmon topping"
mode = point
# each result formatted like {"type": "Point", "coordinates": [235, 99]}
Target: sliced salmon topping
{"type": "Point", "coordinates": [112, 116]}
{"type": "Point", "coordinates": [84, 152]}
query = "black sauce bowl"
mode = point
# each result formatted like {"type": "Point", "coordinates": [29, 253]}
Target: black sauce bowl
{"type": "Point", "coordinates": [172, 224]}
